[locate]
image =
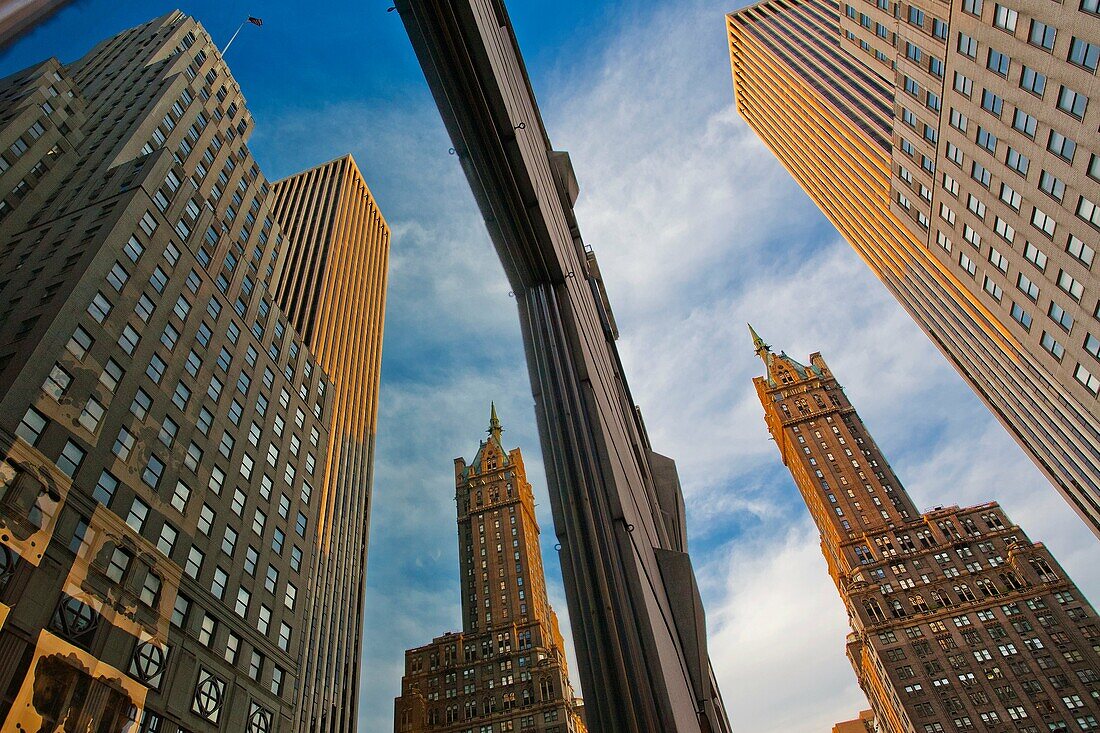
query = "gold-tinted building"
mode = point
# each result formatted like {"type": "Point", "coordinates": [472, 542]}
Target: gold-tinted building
{"type": "Point", "coordinates": [959, 622]}
{"type": "Point", "coordinates": [865, 723]}
{"type": "Point", "coordinates": [331, 281]}
{"type": "Point", "coordinates": [506, 669]}
{"type": "Point", "coordinates": [954, 146]}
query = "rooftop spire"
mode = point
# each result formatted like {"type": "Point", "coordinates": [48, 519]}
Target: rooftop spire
{"type": "Point", "coordinates": [494, 422]}
{"type": "Point", "coordinates": [759, 347]}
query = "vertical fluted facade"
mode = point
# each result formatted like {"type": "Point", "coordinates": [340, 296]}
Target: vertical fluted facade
{"type": "Point", "coordinates": [959, 621]}
{"type": "Point", "coordinates": [331, 280]}
{"type": "Point", "coordinates": [953, 144]}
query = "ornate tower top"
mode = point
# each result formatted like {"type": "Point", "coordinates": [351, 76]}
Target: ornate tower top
{"type": "Point", "coordinates": [758, 344]}
{"type": "Point", "coordinates": [781, 369]}
{"type": "Point", "coordinates": [494, 422]}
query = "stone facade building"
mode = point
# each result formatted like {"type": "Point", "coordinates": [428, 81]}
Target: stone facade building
{"type": "Point", "coordinates": [506, 669]}
{"type": "Point", "coordinates": [164, 424]}
{"type": "Point", "coordinates": [959, 621]}
{"type": "Point", "coordinates": [954, 145]}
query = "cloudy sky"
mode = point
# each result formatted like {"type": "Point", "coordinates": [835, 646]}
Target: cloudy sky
{"type": "Point", "coordinates": [698, 230]}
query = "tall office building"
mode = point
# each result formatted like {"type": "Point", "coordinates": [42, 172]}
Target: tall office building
{"type": "Point", "coordinates": [164, 426]}
{"type": "Point", "coordinates": [331, 283]}
{"type": "Point", "coordinates": [959, 621]}
{"type": "Point", "coordinates": [506, 669]}
{"type": "Point", "coordinates": [954, 146]}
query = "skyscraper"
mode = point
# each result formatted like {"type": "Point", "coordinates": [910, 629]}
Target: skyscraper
{"type": "Point", "coordinates": [331, 283]}
{"type": "Point", "coordinates": [164, 424]}
{"type": "Point", "coordinates": [959, 621]}
{"type": "Point", "coordinates": [506, 669]}
{"type": "Point", "coordinates": [955, 148]}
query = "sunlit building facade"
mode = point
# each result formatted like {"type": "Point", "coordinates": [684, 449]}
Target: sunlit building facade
{"type": "Point", "coordinates": [506, 669]}
{"type": "Point", "coordinates": [331, 283]}
{"type": "Point", "coordinates": [959, 621]}
{"type": "Point", "coordinates": [164, 424]}
{"type": "Point", "coordinates": [954, 146]}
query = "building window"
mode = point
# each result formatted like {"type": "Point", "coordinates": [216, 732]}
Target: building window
{"type": "Point", "coordinates": [1083, 53]}
{"type": "Point", "coordinates": [100, 307]}
{"type": "Point", "coordinates": [1005, 18]}
{"type": "Point", "coordinates": [1052, 345]}
{"type": "Point", "coordinates": [1035, 256]}
{"type": "Point", "coordinates": [986, 139]}
{"type": "Point", "coordinates": [118, 565]}
{"type": "Point", "coordinates": [1027, 287]}
{"type": "Point", "coordinates": [1052, 186]}
{"type": "Point", "coordinates": [1086, 378]}
{"type": "Point", "coordinates": [1080, 250]}
{"type": "Point", "coordinates": [967, 264]}
{"type": "Point", "coordinates": [1088, 211]}
{"type": "Point", "coordinates": [992, 103]}
{"type": "Point", "coordinates": [1043, 222]}
{"type": "Point", "coordinates": [1070, 285]}
{"type": "Point", "coordinates": [1021, 316]}
{"type": "Point", "coordinates": [167, 541]}
{"type": "Point", "coordinates": [105, 488]}
{"type": "Point", "coordinates": [1032, 81]}
{"type": "Point", "coordinates": [998, 62]}
{"type": "Point", "coordinates": [967, 46]}
{"type": "Point", "coordinates": [154, 468]}
{"type": "Point", "coordinates": [1023, 122]}
{"type": "Point", "coordinates": [1072, 102]}
{"type": "Point", "coordinates": [70, 459]}
{"type": "Point", "coordinates": [1042, 35]}
{"type": "Point", "coordinates": [1060, 316]}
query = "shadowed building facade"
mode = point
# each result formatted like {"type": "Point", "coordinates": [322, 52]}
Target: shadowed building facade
{"type": "Point", "coordinates": [331, 283]}
{"type": "Point", "coordinates": [637, 615]}
{"type": "Point", "coordinates": [959, 622]}
{"type": "Point", "coordinates": [506, 669]}
{"type": "Point", "coordinates": [164, 425]}
{"type": "Point", "coordinates": [954, 146]}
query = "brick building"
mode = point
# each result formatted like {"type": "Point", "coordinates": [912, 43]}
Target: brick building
{"type": "Point", "coordinates": [506, 669]}
{"type": "Point", "coordinates": [959, 621]}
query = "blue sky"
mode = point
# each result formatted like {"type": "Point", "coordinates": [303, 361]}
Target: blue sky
{"type": "Point", "coordinates": [698, 230]}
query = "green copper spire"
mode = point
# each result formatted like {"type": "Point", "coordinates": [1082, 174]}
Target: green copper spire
{"type": "Point", "coordinates": [759, 347]}
{"type": "Point", "coordinates": [494, 422]}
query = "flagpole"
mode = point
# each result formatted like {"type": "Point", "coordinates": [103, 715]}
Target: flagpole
{"type": "Point", "coordinates": [233, 37]}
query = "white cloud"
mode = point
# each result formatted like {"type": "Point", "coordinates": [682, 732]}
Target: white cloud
{"type": "Point", "coordinates": [780, 670]}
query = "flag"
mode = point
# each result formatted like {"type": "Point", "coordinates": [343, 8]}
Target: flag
{"type": "Point", "coordinates": [255, 21]}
